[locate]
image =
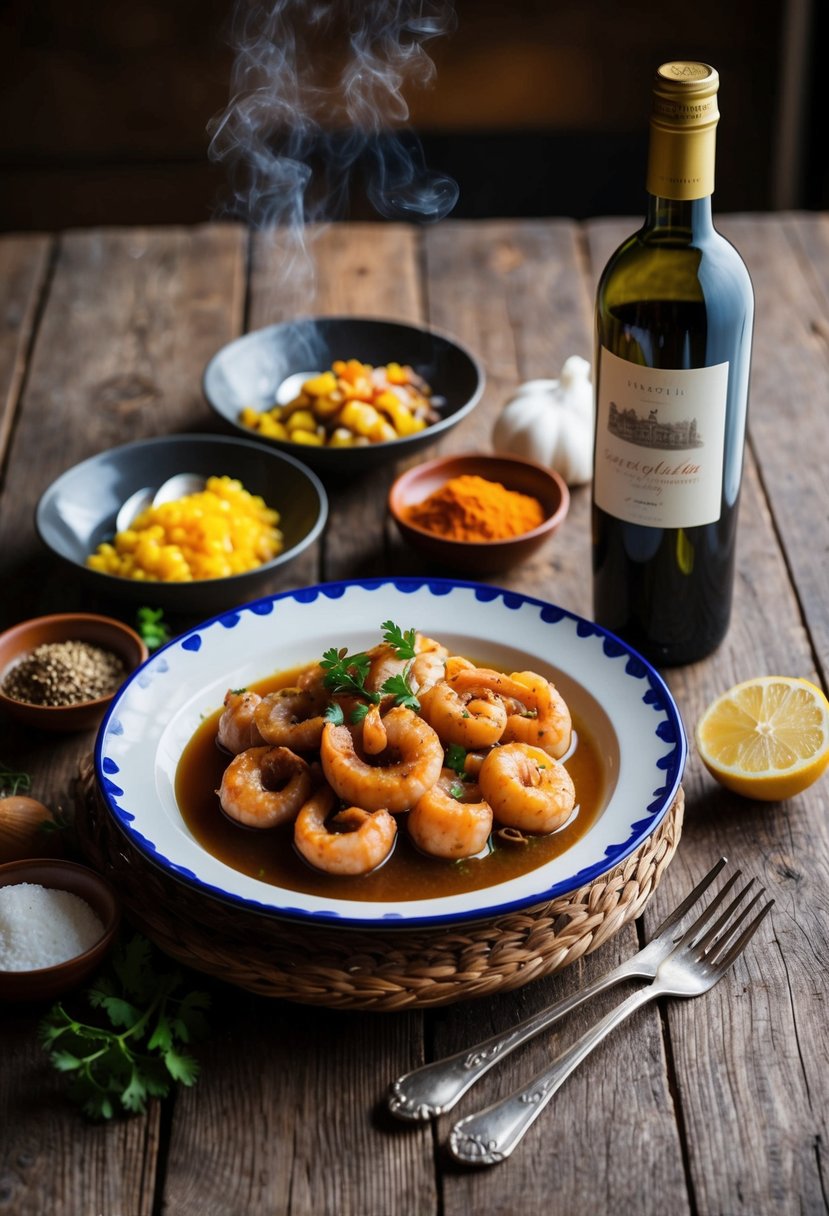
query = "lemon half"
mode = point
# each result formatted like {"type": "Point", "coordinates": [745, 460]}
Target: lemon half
{"type": "Point", "coordinates": [767, 738]}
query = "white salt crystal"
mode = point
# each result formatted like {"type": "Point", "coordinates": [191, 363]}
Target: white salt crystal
{"type": "Point", "coordinates": [40, 927]}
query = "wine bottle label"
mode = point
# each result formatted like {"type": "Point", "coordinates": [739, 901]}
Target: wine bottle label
{"type": "Point", "coordinates": [659, 443]}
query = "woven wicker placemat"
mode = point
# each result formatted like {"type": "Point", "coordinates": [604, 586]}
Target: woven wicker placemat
{"type": "Point", "coordinates": [367, 969]}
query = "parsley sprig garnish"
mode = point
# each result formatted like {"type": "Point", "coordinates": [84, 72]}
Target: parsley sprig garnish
{"type": "Point", "coordinates": [347, 673]}
{"type": "Point", "coordinates": [402, 642]}
{"type": "Point", "coordinates": [153, 1021]}
{"type": "Point", "coordinates": [152, 627]}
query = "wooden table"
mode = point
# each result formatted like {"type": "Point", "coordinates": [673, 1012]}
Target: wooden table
{"type": "Point", "coordinates": [712, 1106]}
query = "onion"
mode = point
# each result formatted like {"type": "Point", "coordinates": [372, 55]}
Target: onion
{"type": "Point", "coordinates": [21, 831]}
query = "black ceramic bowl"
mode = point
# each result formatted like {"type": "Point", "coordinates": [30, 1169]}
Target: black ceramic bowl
{"type": "Point", "coordinates": [250, 371]}
{"type": "Point", "coordinates": [78, 511]}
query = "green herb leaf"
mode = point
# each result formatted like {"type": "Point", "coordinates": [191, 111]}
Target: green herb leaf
{"type": "Point", "coordinates": [65, 1061]}
{"type": "Point", "coordinates": [358, 713]}
{"type": "Point", "coordinates": [334, 713]}
{"type": "Point", "coordinates": [346, 672]}
{"type": "Point", "coordinates": [455, 758]}
{"type": "Point", "coordinates": [456, 789]}
{"type": "Point", "coordinates": [402, 642]}
{"type": "Point", "coordinates": [398, 687]}
{"type": "Point", "coordinates": [152, 627]}
{"type": "Point", "coordinates": [119, 1069]}
{"type": "Point", "coordinates": [181, 1067]}
{"type": "Point", "coordinates": [12, 783]}
{"type": "Point", "coordinates": [134, 1096]}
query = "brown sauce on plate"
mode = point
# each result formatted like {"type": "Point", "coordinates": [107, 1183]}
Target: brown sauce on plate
{"type": "Point", "coordinates": [408, 874]}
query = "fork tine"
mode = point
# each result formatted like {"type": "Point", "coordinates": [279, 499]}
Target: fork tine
{"type": "Point", "coordinates": [702, 920]}
{"type": "Point", "coordinates": [702, 943]}
{"type": "Point", "coordinates": [744, 937]}
{"type": "Point", "coordinates": [688, 902]}
{"type": "Point", "coordinates": [721, 943]}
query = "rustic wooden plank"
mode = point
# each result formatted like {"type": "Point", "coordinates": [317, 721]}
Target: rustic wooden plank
{"type": "Point", "coordinates": [313, 1076]}
{"type": "Point", "coordinates": [24, 262]}
{"type": "Point", "coordinates": [750, 1056]}
{"type": "Point", "coordinates": [51, 1159]}
{"type": "Point", "coordinates": [285, 1120]}
{"type": "Point", "coordinates": [519, 295]}
{"type": "Point", "coordinates": [788, 257]}
{"type": "Point", "coordinates": [133, 316]}
{"type": "Point", "coordinates": [130, 320]}
{"type": "Point", "coordinates": [515, 294]}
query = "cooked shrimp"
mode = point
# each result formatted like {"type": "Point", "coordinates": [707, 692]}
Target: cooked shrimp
{"type": "Point", "coordinates": [288, 718]}
{"type": "Point", "coordinates": [237, 729]}
{"type": "Point", "coordinates": [375, 738]}
{"type": "Point", "coordinates": [427, 669]}
{"type": "Point", "coordinates": [395, 785]}
{"type": "Point", "coordinates": [470, 719]}
{"type": "Point", "coordinates": [427, 645]}
{"type": "Point", "coordinates": [527, 788]}
{"type": "Point", "coordinates": [364, 844]}
{"type": "Point", "coordinates": [264, 786]}
{"type": "Point", "coordinates": [384, 664]}
{"type": "Point", "coordinates": [543, 722]}
{"type": "Point", "coordinates": [444, 825]}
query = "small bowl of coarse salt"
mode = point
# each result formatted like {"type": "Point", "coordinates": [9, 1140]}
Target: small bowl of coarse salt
{"type": "Point", "coordinates": [60, 672]}
{"type": "Point", "coordinates": [58, 920]}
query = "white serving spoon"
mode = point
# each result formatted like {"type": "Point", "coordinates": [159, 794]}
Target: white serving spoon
{"type": "Point", "coordinates": [291, 386]}
{"type": "Point", "coordinates": [174, 487]}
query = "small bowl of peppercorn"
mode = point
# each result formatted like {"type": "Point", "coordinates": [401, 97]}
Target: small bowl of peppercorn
{"type": "Point", "coordinates": [60, 672]}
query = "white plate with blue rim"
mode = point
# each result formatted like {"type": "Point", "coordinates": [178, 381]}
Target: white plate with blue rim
{"type": "Point", "coordinates": [634, 722]}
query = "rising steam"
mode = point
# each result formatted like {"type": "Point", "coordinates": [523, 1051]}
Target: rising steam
{"type": "Point", "coordinates": [317, 92]}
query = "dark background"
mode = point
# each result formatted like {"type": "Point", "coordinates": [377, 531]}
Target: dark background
{"type": "Point", "coordinates": [539, 106]}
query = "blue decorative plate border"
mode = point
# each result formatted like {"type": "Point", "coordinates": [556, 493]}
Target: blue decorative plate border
{"type": "Point", "coordinates": [114, 738]}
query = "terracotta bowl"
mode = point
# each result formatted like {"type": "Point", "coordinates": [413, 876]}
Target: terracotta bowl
{"type": "Point", "coordinates": [45, 983]}
{"type": "Point", "coordinates": [101, 631]}
{"type": "Point", "coordinates": [479, 557]}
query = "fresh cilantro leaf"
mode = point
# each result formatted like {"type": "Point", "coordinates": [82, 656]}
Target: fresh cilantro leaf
{"type": "Point", "coordinates": [98, 1106]}
{"type": "Point", "coordinates": [134, 1095]}
{"type": "Point", "coordinates": [64, 1061]}
{"type": "Point", "coordinates": [152, 627]}
{"type": "Point", "coordinates": [398, 687]}
{"type": "Point", "coordinates": [334, 713]}
{"type": "Point", "coordinates": [402, 642]}
{"type": "Point", "coordinates": [455, 758]}
{"type": "Point", "coordinates": [358, 713]}
{"type": "Point", "coordinates": [181, 1067]}
{"type": "Point", "coordinates": [162, 1036]}
{"type": "Point", "coordinates": [456, 789]}
{"type": "Point", "coordinates": [119, 1069]}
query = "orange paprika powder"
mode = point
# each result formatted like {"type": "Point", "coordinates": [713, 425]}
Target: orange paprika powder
{"type": "Point", "coordinates": [470, 508]}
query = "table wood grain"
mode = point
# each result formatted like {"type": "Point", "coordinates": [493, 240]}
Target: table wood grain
{"type": "Point", "coordinates": [713, 1107]}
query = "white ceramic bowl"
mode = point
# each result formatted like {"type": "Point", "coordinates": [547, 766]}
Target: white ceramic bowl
{"type": "Point", "coordinates": [633, 716]}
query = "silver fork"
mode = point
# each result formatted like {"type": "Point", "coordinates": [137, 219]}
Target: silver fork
{"type": "Point", "coordinates": [694, 966]}
{"type": "Point", "coordinates": [435, 1088]}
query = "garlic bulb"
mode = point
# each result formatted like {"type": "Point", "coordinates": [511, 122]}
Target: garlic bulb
{"type": "Point", "coordinates": [551, 422]}
{"type": "Point", "coordinates": [21, 833]}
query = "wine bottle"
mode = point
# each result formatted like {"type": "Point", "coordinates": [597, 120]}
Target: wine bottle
{"type": "Point", "coordinates": [674, 321]}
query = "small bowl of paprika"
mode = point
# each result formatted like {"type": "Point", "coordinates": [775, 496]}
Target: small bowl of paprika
{"type": "Point", "coordinates": [478, 513]}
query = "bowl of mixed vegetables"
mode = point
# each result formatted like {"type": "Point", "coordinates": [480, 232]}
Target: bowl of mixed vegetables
{"type": "Point", "coordinates": [344, 394]}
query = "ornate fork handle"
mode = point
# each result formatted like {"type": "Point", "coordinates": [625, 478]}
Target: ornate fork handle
{"type": "Point", "coordinates": [491, 1135]}
{"type": "Point", "coordinates": [435, 1088]}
